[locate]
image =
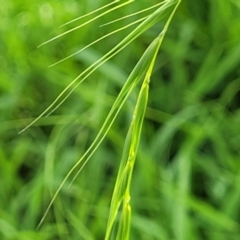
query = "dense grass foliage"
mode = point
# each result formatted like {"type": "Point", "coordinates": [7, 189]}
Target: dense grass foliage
{"type": "Point", "coordinates": [186, 179]}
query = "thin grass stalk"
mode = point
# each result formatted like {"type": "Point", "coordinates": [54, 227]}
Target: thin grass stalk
{"type": "Point", "coordinates": [121, 194]}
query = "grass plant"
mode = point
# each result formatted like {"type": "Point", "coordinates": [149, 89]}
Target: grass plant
{"type": "Point", "coordinates": [121, 194]}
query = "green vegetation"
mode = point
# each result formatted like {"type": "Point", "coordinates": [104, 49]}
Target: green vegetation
{"type": "Point", "coordinates": [167, 159]}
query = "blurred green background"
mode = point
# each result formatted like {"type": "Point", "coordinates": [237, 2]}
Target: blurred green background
{"type": "Point", "coordinates": [186, 183]}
